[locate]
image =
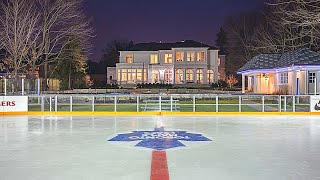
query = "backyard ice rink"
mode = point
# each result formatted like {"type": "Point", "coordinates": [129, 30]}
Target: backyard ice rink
{"type": "Point", "coordinates": [242, 148]}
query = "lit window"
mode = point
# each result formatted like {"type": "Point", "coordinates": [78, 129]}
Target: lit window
{"type": "Point", "coordinates": [190, 56]}
{"type": "Point", "coordinates": [155, 76]}
{"type": "Point", "coordinates": [210, 76]}
{"type": "Point", "coordinates": [179, 56]}
{"type": "Point", "coordinates": [124, 75]}
{"type": "Point", "coordinates": [189, 75]}
{"type": "Point", "coordinates": [129, 59]}
{"type": "Point", "coordinates": [154, 59]}
{"type": "Point", "coordinates": [199, 76]}
{"type": "Point", "coordinates": [145, 75]}
{"type": "Point", "coordinates": [139, 74]}
{"type": "Point", "coordinates": [119, 75]}
{"type": "Point", "coordinates": [284, 78]}
{"type": "Point", "coordinates": [219, 62]}
{"type": "Point", "coordinates": [179, 76]}
{"type": "Point", "coordinates": [168, 58]}
{"type": "Point", "coordinates": [200, 56]}
{"type": "Point", "coordinates": [168, 76]}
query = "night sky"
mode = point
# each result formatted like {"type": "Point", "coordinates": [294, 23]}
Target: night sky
{"type": "Point", "coordinates": [160, 20]}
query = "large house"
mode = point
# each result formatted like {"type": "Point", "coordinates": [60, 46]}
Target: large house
{"type": "Point", "coordinates": [186, 62]}
{"type": "Point", "coordinates": [295, 72]}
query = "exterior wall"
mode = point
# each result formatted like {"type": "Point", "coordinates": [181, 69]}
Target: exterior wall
{"type": "Point", "coordinates": [272, 83]}
{"type": "Point", "coordinates": [111, 72]}
{"type": "Point", "coordinates": [141, 60]}
{"type": "Point", "coordinates": [302, 82]}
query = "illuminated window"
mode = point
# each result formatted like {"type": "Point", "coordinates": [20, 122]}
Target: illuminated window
{"type": "Point", "coordinates": [129, 59]}
{"type": "Point", "coordinates": [168, 76]}
{"type": "Point", "coordinates": [189, 75]}
{"type": "Point", "coordinates": [179, 56]}
{"type": "Point", "coordinates": [168, 58]}
{"type": "Point", "coordinates": [124, 75]}
{"type": "Point", "coordinates": [219, 61]}
{"type": "Point", "coordinates": [139, 74]}
{"type": "Point", "coordinates": [179, 76]}
{"type": "Point", "coordinates": [190, 56]}
{"type": "Point", "coordinates": [199, 76]}
{"type": "Point", "coordinates": [200, 56]}
{"type": "Point", "coordinates": [130, 75]}
{"type": "Point", "coordinates": [155, 76]}
{"type": "Point", "coordinates": [145, 75]}
{"type": "Point", "coordinates": [284, 78]}
{"type": "Point", "coordinates": [119, 75]}
{"type": "Point", "coordinates": [210, 76]}
{"type": "Point", "coordinates": [154, 59]}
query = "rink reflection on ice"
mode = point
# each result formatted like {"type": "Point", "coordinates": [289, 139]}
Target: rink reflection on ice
{"type": "Point", "coordinates": [242, 147]}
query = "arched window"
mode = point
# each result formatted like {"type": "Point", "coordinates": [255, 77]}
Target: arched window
{"type": "Point", "coordinates": [168, 76]}
{"type": "Point", "coordinates": [189, 75]}
{"type": "Point", "coordinates": [199, 76]}
{"type": "Point", "coordinates": [210, 76]}
{"type": "Point", "coordinates": [155, 76]}
{"type": "Point", "coordinates": [179, 76]}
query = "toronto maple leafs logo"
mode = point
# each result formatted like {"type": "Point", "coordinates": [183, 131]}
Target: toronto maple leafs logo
{"type": "Point", "coordinates": [159, 139]}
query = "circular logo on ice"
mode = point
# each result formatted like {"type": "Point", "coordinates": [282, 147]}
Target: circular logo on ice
{"type": "Point", "coordinates": [159, 139]}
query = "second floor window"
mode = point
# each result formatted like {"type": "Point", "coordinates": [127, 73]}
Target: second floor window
{"type": "Point", "coordinates": [190, 56]}
{"type": "Point", "coordinates": [200, 56]}
{"type": "Point", "coordinates": [168, 58]}
{"type": "Point", "coordinates": [284, 78]}
{"type": "Point", "coordinates": [179, 56]}
{"type": "Point", "coordinates": [154, 59]}
{"type": "Point", "coordinates": [129, 59]}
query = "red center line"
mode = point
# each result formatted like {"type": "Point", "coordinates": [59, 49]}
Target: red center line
{"type": "Point", "coordinates": [159, 166]}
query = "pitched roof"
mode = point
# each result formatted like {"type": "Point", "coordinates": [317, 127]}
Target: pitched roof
{"type": "Point", "coordinates": [153, 46]}
{"type": "Point", "coordinates": [303, 56]}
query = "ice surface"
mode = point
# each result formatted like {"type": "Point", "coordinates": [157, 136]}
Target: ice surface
{"type": "Point", "coordinates": [243, 147]}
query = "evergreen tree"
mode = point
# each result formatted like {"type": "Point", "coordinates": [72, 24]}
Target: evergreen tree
{"type": "Point", "coordinates": [222, 41]}
{"type": "Point", "coordinates": [71, 67]}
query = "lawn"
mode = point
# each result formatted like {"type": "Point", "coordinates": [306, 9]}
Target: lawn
{"type": "Point", "coordinates": [184, 106]}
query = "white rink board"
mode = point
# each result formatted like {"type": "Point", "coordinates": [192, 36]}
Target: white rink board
{"type": "Point", "coordinates": [13, 104]}
{"type": "Point", "coordinates": [315, 104]}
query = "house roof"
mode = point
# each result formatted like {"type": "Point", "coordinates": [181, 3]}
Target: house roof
{"type": "Point", "coordinates": [154, 46]}
{"type": "Point", "coordinates": [303, 56]}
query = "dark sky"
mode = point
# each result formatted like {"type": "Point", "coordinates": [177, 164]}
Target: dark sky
{"type": "Point", "coordinates": [160, 20]}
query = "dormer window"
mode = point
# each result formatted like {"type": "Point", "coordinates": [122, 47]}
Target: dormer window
{"type": "Point", "coordinates": [129, 58]}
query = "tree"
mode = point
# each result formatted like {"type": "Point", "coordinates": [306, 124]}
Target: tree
{"type": "Point", "coordinates": [71, 66]}
{"type": "Point", "coordinates": [111, 52]}
{"type": "Point", "coordinates": [35, 32]}
{"type": "Point", "coordinates": [231, 80]}
{"type": "Point", "coordinates": [61, 20]}
{"type": "Point", "coordinates": [18, 33]}
{"type": "Point", "coordinates": [239, 30]}
{"type": "Point", "coordinates": [222, 41]}
{"type": "Point", "coordinates": [298, 20]}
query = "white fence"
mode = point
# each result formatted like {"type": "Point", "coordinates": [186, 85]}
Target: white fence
{"type": "Point", "coordinates": [170, 103]}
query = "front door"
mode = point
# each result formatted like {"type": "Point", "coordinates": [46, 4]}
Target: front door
{"type": "Point", "coordinates": [312, 81]}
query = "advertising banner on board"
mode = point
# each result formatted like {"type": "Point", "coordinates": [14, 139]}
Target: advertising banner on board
{"type": "Point", "coordinates": [315, 104]}
{"type": "Point", "coordinates": [13, 104]}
